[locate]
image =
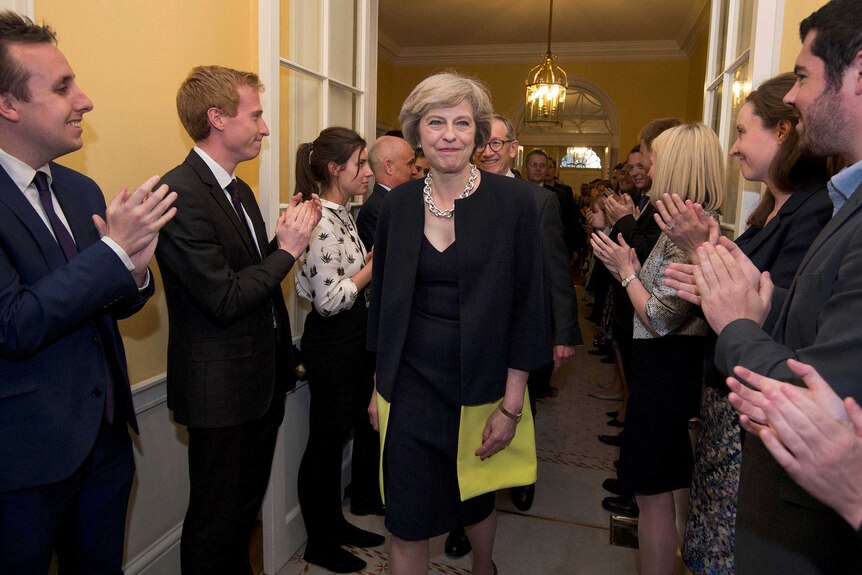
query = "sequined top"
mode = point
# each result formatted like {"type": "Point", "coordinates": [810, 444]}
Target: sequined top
{"type": "Point", "coordinates": [334, 254]}
{"type": "Point", "coordinates": [667, 313]}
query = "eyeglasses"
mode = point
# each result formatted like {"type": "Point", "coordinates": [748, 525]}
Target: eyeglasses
{"type": "Point", "coordinates": [537, 165]}
{"type": "Point", "coordinates": [497, 145]}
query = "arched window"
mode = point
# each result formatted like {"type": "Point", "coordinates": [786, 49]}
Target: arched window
{"type": "Point", "coordinates": [589, 135]}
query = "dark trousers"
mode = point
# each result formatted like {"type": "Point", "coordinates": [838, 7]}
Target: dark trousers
{"type": "Point", "coordinates": [228, 474]}
{"type": "Point", "coordinates": [82, 517]}
{"type": "Point", "coordinates": [340, 379]}
{"type": "Point", "coordinates": [539, 381]}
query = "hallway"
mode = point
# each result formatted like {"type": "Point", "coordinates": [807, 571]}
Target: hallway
{"type": "Point", "coordinates": [566, 532]}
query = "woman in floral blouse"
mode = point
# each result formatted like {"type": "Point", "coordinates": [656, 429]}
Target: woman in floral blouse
{"type": "Point", "coordinates": [335, 270]}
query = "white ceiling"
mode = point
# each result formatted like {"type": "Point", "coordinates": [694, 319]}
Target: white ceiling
{"type": "Point", "coordinates": [450, 31]}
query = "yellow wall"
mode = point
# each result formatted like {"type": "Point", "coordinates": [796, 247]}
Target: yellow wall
{"type": "Point", "coordinates": [130, 58]}
{"type": "Point", "coordinates": [640, 91]}
{"type": "Point", "coordinates": [794, 12]}
{"type": "Point", "coordinates": [697, 78]}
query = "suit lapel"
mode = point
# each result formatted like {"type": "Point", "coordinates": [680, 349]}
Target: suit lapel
{"type": "Point", "coordinates": [12, 197]}
{"type": "Point", "coordinates": [849, 209]}
{"type": "Point", "coordinates": [792, 204]}
{"type": "Point", "coordinates": [80, 222]}
{"type": "Point", "coordinates": [218, 195]}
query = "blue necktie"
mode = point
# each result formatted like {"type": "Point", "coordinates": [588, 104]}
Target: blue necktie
{"type": "Point", "coordinates": [64, 238]}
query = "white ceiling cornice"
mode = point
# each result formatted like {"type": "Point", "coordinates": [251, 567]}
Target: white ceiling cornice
{"type": "Point", "coordinates": [531, 53]}
{"type": "Point", "coordinates": [388, 48]}
{"type": "Point", "coordinates": [696, 31]}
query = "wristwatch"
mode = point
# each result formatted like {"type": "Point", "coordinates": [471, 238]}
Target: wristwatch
{"type": "Point", "coordinates": [629, 279]}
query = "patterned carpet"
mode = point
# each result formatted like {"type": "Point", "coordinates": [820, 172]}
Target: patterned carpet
{"type": "Point", "coordinates": [566, 531]}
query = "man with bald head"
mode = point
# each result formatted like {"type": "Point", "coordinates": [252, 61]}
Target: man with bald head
{"type": "Point", "coordinates": [391, 160]}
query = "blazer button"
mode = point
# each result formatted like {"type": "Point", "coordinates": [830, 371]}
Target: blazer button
{"type": "Point", "coordinates": [97, 392]}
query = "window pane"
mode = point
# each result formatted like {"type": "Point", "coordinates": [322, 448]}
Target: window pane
{"type": "Point", "coordinates": [741, 88]}
{"type": "Point", "coordinates": [300, 122]}
{"type": "Point", "coordinates": [718, 102]}
{"type": "Point", "coordinates": [342, 108]}
{"type": "Point", "coordinates": [301, 22]}
{"type": "Point", "coordinates": [342, 41]}
{"type": "Point", "coordinates": [746, 18]}
{"type": "Point", "coordinates": [721, 40]}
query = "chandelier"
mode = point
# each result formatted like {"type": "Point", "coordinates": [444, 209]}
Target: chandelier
{"type": "Point", "coordinates": [546, 88]}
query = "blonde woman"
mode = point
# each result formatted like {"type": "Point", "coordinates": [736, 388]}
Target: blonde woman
{"type": "Point", "coordinates": [667, 352]}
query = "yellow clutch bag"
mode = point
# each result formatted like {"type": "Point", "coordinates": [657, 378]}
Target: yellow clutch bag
{"type": "Point", "coordinates": [514, 466]}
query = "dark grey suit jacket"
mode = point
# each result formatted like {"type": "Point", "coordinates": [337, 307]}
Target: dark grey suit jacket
{"type": "Point", "coordinates": [780, 528]}
{"type": "Point", "coordinates": [226, 362]}
{"type": "Point", "coordinates": [555, 260]}
{"type": "Point", "coordinates": [366, 222]}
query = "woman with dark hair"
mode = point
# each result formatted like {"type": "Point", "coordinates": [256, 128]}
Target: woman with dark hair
{"type": "Point", "coordinates": [458, 318]}
{"type": "Point", "coordinates": [793, 209]}
{"type": "Point", "coordinates": [335, 270]}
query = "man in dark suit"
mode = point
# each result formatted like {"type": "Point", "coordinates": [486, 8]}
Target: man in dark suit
{"type": "Point", "coordinates": [780, 528]}
{"type": "Point", "coordinates": [391, 160]}
{"type": "Point", "coordinates": [68, 270]}
{"type": "Point", "coordinates": [536, 164]}
{"type": "Point", "coordinates": [229, 352]}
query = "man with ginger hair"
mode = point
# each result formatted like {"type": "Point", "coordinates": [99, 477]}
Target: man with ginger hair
{"type": "Point", "coordinates": [229, 350]}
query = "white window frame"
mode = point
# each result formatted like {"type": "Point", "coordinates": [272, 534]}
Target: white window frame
{"type": "Point", "coordinates": [762, 57]}
{"type": "Point", "coordinates": [283, 532]}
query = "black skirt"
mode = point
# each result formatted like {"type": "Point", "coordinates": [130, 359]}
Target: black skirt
{"type": "Point", "coordinates": [656, 454]}
{"type": "Point", "coordinates": [421, 445]}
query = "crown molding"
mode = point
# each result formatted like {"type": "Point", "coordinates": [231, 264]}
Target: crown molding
{"type": "Point", "coordinates": [387, 47]}
{"type": "Point", "coordinates": [531, 53]}
{"type": "Point", "coordinates": [696, 31]}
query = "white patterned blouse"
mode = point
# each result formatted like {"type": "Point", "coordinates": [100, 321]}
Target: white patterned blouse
{"type": "Point", "coordinates": [334, 254]}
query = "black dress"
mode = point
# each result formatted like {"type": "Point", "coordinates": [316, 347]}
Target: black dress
{"type": "Point", "coordinates": [420, 452]}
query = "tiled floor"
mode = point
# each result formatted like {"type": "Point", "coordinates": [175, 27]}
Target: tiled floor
{"type": "Point", "coordinates": [566, 532]}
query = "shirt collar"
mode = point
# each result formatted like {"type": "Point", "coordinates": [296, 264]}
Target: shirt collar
{"type": "Point", "coordinates": [20, 173]}
{"type": "Point", "coordinates": [221, 176]}
{"type": "Point", "coordinates": [844, 184]}
{"type": "Point", "coordinates": [332, 205]}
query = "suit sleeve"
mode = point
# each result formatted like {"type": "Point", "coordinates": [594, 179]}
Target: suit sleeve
{"type": "Point", "coordinates": [381, 237]}
{"type": "Point", "coordinates": [564, 307]}
{"type": "Point", "coordinates": [820, 307]}
{"type": "Point", "coordinates": [366, 221]}
{"type": "Point", "coordinates": [642, 238]}
{"type": "Point", "coordinates": [194, 250]}
{"type": "Point", "coordinates": [34, 315]}
{"type": "Point", "coordinates": [530, 344]}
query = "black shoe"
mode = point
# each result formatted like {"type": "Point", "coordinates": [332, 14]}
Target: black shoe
{"type": "Point", "coordinates": [621, 505]}
{"type": "Point", "coordinates": [551, 392]}
{"type": "Point", "coordinates": [457, 544]}
{"type": "Point", "coordinates": [335, 559]}
{"type": "Point", "coordinates": [522, 497]}
{"type": "Point", "coordinates": [366, 507]}
{"type": "Point", "coordinates": [608, 359]}
{"type": "Point", "coordinates": [613, 413]}
{"type": "Point", "coordinates": [616, 423]}
{"type": "Point", "coordinates": [353, 535]}
{"type": "Point", "coordinates": [599, 351]}
{"type": "Point", "coordinates": [612, 484]}
{"type": "Point", "coordinates": [612, 440]}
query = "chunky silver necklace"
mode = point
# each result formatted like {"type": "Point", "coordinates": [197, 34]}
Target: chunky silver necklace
{"type": "Point", "coordinates": [468, 189]}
